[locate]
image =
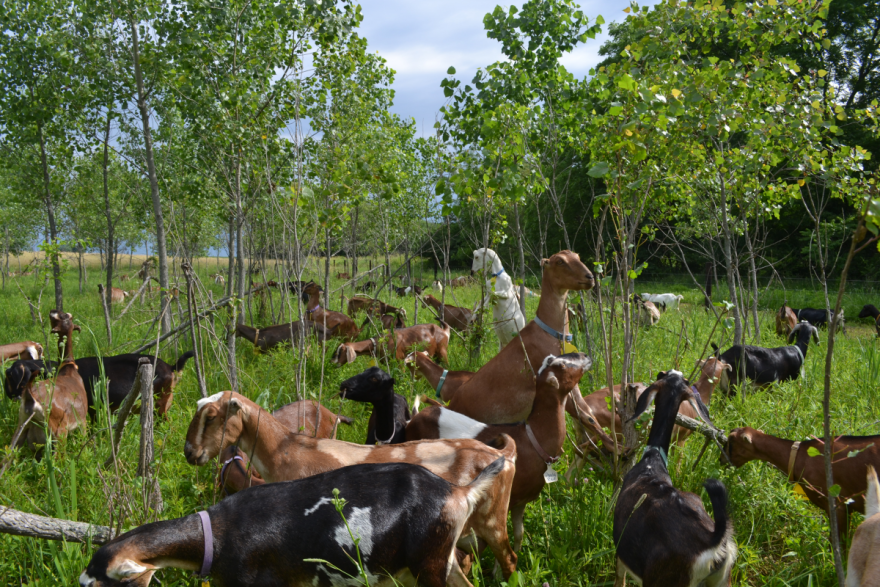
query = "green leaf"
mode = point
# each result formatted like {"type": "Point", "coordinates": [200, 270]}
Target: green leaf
{"type": "Point", "coordinates": [813, 452]}
{"type": "Point", "coordinates": [834, 490]}
{"type": "Point", "coordinates": [599, 169]}
{"type": "Point", "coordinates": [450, 71]}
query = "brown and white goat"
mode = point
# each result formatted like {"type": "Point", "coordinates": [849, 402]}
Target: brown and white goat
{"type": "Point", "coordinates": [539, 440]}
{"type": "Point", "coordinates": [58, 405]}
{"type": "Point", "coordinates": [341, 324]}
{"type": "Point", "coordinates": [398, 524]}
{"type": "Point", "coordinates": [664, 536]}
{"type": "Point", "coordinates": [117, 296]}
{"type": "Point", "coordinates": [863, 566]}
{"type": "Point", "coordinates": [503, 390]}
{"type": "Point", "coordinates": [279, 455]}
{"type": "Point", "coordinates": [21, 350]}
{"type": "Point", "coordinates": [397, 343]}
{"type": "Point", "coordinates": [458, 318]}
{"type": "Point", "coordinates": [793, 459]}
{"type": "Point", "coordinates": [786, 320]}
{"type": "Point", "coordinates": [306, 417]}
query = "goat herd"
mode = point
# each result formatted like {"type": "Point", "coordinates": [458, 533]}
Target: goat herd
{"type": "Point", "coordinates": [433, 487]}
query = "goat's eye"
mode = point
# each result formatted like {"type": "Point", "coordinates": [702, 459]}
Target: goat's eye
{"type": "Point", "coordinates": [209, 419]}
{"type": "Point", "coordinates": [374, 380]}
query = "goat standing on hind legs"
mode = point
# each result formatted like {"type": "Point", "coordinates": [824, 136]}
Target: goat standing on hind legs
{"type": "Point", "coordinates": [663, 535]}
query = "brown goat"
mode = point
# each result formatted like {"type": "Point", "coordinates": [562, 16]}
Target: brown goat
{"type": "Point", "coordinates": [458, 318]}
{"type": "Point", "coordinates": [306, 417]}
{"type": "Point", "coordinates": [793, 459]}
{"type": "Point", "coordinates": [388, 321]}
{"type": "Point", "coordinates": [863, 566]}
{"type": "Point", "coordinates": [421, 363]}
{"type": "Point", "coordinates": [279, 455]}
{"type": "Point", "coordinates": [117, 296]}
{"type": "Point", "coordinates": [786, 320]}
{"type": "Point", "coordinates": [272, 336]}
{"type": "Point", "coordinates": [372, 307]}
{"type": "Point", "coordinates": [341, 324]}
{"type": "Point", "coordinates": [546, 425]}
{"type": "Point", "coordinates": [503, 390]}
{"type": "Point", "coordinates": [59, 404]}
{"type": "Point", "coordinates": [398, 343]}
{"type": "Point", "coordinates": [21, 350]}
{"type": "Point", "coordinates": [343, 276]}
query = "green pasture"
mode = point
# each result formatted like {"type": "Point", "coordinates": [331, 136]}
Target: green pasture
{"type": "Point", "coordinates": [782, 540]}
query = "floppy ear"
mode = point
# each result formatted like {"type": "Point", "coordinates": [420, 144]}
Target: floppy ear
{"type": "Point", "coordinates": [816, 334]}
{"type": "Point", "coordinates": [126, 570]}
{"type": "Point", "coordinates": [235, 406]}
{"type": "Point", "coordinates": [544, 262]}
{"type": "Point", "coordinates": [727, 366]}
{"type": "Point", "coordinates": [350, 355]}
{"type": "Point", "coordinates": [660, 375]}
{"type": "Point", "coordinates": [551, 379]}
{"type": "Point", "coordinates": [699, 407]}
{"type": "Point", "coordinates": [645, 400]}
{"type": "Point", "coordinates": [793, 332]}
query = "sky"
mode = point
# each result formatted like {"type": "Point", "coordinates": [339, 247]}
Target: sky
{"type": "Point", "coordinates": [421, 39]}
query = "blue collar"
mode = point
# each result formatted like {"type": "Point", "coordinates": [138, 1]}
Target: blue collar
{"type": "Point", "coordinates": [499, 273]}
{"type": "Point", "coordinates": [551, 332]}
{"type": "Point", "coordinates": [661, 451]}
{"type": "Point", "coordinates": [442, 381]}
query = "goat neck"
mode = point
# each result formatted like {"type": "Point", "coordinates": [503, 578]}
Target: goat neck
{"type": "Point", "coordinates": [764, 447]}
{"type": "Point", "coordinates": [668, 392]}
{"type": "Point", "coordinates": [383, 409]}
{"type": "Point", "coordinates": [547, 420]}
{"type": "Point", "coordinates": [262, 436]}
{"type": "Point", "coordinates": [551, 307]}
{"type": "Point", "coordinates": [430, 370]}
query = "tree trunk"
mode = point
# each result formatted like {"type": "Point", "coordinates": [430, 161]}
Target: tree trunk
{"type": "Point", "coordinates": [354, 244]}
{"type": "Point", "coordinates": [327, 269]}
{"type": "Point", "coordinates": [50, 214]}
{"type": "Point", "coordinates": [522, 259]}
{"type": "Point", "coordinates": [731, 269]}
{"type": "Point", "coordinates": [6, 254]}
{"type": "Point", "coordinates": [111, 247]}
{"type": "Point", "coordinates": [154, 181]}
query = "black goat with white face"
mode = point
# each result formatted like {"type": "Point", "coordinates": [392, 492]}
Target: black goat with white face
{"type": "Point", "coordinates": [664, 536]}
{"type": "Point", "coordinates": [765, 366]}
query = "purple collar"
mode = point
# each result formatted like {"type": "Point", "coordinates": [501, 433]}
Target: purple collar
{"type": "Point", "coordinates": [315, 309]}
{"type": "Point", "coordinates": [223, 471]}
{"type": "Point", "coordinates": [208, 560]}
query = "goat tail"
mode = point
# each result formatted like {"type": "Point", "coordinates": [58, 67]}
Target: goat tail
{"type": "Point", "coordinates": [181, 362]}
{"type": "Point", "coordinates": [506, 445]}
{"type": "Point", "coordinates": [478, 488]}
{"type": "Point", "coordinates": [345, 419]}
{"type": "Point", "coordinates": [715, 349]}
{"type": "Point", "coordinates": [872, 498]}
{"type": "Point", "coordinates": [718, 496]}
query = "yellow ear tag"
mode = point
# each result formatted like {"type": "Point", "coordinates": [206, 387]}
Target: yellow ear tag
{"type": "Point", "coordinates": [493, 280]}
{"type": "Point", "coordinates": [205, 584]}
{"type": "Point", "coordinates": [567, 347]}
{"type": "Point", "coordinates": [372, 363]}
{"type": "Point", "coordinates": [799, 492]}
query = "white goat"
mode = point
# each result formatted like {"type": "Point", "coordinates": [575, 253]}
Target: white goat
{"type": "Point", "coordinates": [666, 301]}
{"type": "Point", "coordinates": [508, 317]}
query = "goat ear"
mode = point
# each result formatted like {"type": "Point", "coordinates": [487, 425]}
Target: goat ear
{"type": "Point", "coordinates": [660, 375]}
{"type": "Point", "coordinates": [235, 406]}
{"type": "Point", "coordinates": [793, 332]}
{"type": "Point", "coordinates": [699, 407]}
{"type": "Point", "coordinates": [816, 334]}
{"type": "Point", "coordinates": [544, 262]}
{"type": "Point", "coordinates": [551, 380]}
{"type": "Point", "coordinates": [645, 400]}
{"type": "Point", "coordinates": [126, 569]}
{"type": "Point", "coordinates": [727, 366]}
{"type": "Point", "coordinates": [350, 355]}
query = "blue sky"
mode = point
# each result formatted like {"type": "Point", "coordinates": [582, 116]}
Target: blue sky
{"type": "Point", "coordinates": [421, 39]}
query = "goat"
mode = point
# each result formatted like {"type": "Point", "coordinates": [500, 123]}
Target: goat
{"type": "Point", "coordinates": [390, 410]}
{"type": "Point", "coordinates": [664, 536]}
{"type": "Point", "coordinates": [20, 373]}
{"type": "Point", "coordinates": [460, 281]}
{"type": "Point", "coordinates": [871, 311]}
{"type": "Point", "coordinates": [765, 366]}
{"type": "Point", "coordinates": [218, 278]}
{"type": "Point", "coordinates": [59, 405]}
{"type": "Point", "coordinates": [786, 320]}
{"type": "Point", "coordinates": [121, 371]}
{"type": "Point", "coordinates": [444, 382]}
{"type": "Point", "coordinates": [341, 324]}
{"type": "Point", "coordinates": [388, 322]}
{"type": "Point", "coordinates": [508, 318]}
{"type": "Point", "coordinates": [538, 441]}
{"type": "Point", "coordinates": [503, 390]}
{"type": "Point", "coordinates": [863, 567]}
{"type": "Point", "coordinates": [398, 343]}
{"type": "Point", "coordinates": [816, 317]}
{"type": "Point", "coordinates": [648, 314]}
{"type": "Point", "coordinates": [117, 296]}
{"type": "Point", "coordinates": [437, 285]}
{"type": "Point", "coordinates": [458, 318]}
{"type": "Point", "coordinates": [306, 417]}
{"type": "Point", "coordinates": [21, 350]}
{"type": "Point", "coordinates": [666, 301]}
{"type": "Point", "coordinates": [343, 276]}
{"type": "Point", "coordinates": [793, 459]}
{"type": "Point", "coordinates": [278, 455]}
{"type": "Point", "coordinates": [406, 290]}
{"type": "Point", "coordinates": [268, 338]}
{"type": "Point", "coordinates": [367, 287]}
{"type": "Point", "coordinates": [371, 307]}
{"type": "Point", "coordinates": [291, 533]}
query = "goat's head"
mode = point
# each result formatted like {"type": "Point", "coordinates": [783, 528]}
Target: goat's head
{"type": "Point", "coordinates": [740, 448]}
{"type": "Point", "coordinates": [565, 271]}
{"type": "Point", "coordinates": [486, 261]}
{"type": "Point", "coordinates": [411, 363]}
{"type": "Point", "coordinates": [562, 373]}
{"type": "Point", "coordinates": [713, 369]}
{"type": "Point", "coordinates": [114, 565]}
{"type": "Point", "coordinates": [370, 386]}
{"type": "Point", "coordinates": [670, 389]}
{"type": "Point", "coordinates": [869, 311]}
{"type": "Point", "coordinates": [62, 323]}
{"type": "Point", "coordinates": [806, 327]}
{"type": "Point", "coordinates": [217, 423]}
{"type": "Point", "coordinates": [312, 289]}
{"type": "Point", "coordinates": [344, 355]}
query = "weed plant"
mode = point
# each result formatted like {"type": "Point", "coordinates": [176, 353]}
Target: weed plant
{"type": "Point", "coordinates": [782, 539]}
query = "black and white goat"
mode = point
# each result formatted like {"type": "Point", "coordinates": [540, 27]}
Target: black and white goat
{"type": "Point", "coordinates": [664, 536]}
{"type": "Point", "coordinates": [765, 366]}
{"type": "Point", "coordinates": [405, 518]}
{"type": "Point", "coordinates": [20, 372]}
{"type": "Point", "coordinates": [390, 414]}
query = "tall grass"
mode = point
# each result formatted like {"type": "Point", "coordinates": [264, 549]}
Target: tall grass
{"type": "Point", "coordinates": [782, 539]}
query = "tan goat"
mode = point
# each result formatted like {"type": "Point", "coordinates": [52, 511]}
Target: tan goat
{"type": "Point", "coordinates": [21, 350]}
{"type": "Point", "coordinates": [397, 343]}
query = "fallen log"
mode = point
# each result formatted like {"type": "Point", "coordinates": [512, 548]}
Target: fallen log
{"type": "Point", "coordinates": [33, 526]}
{"type": "Point", "coordinates": [701, 428]}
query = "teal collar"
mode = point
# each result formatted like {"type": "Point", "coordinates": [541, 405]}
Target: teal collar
{"type": "Point", "coordinates": [442, 381]}
{"type": "Point", "coordinates": [660, 450]}
{"type": "Point", "coordinates": [499, 273]}
{"type": "Point", "coordinates": [555, 334]}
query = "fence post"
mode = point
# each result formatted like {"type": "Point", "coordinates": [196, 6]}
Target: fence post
{"type": "Point", "coordinates": [150, 491]}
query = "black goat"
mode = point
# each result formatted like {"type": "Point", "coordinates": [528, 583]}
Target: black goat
{"type": "Point", "coordinates": [121, 372]}
{"type": "Point", "coordinates": [20, 372]}
{"type": "Point", "coordinates": [765, 366]}
{"type": "Point", "coordinates": [871, 311]}
{"type": "Point", "coordinates": [405, 519]}
{"type": "Point", "coordinates": [817, 317]}
{"type": "Point", "coordinates": [391, 413]}
{"type": "Point", "coordinates": [664, 536]}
